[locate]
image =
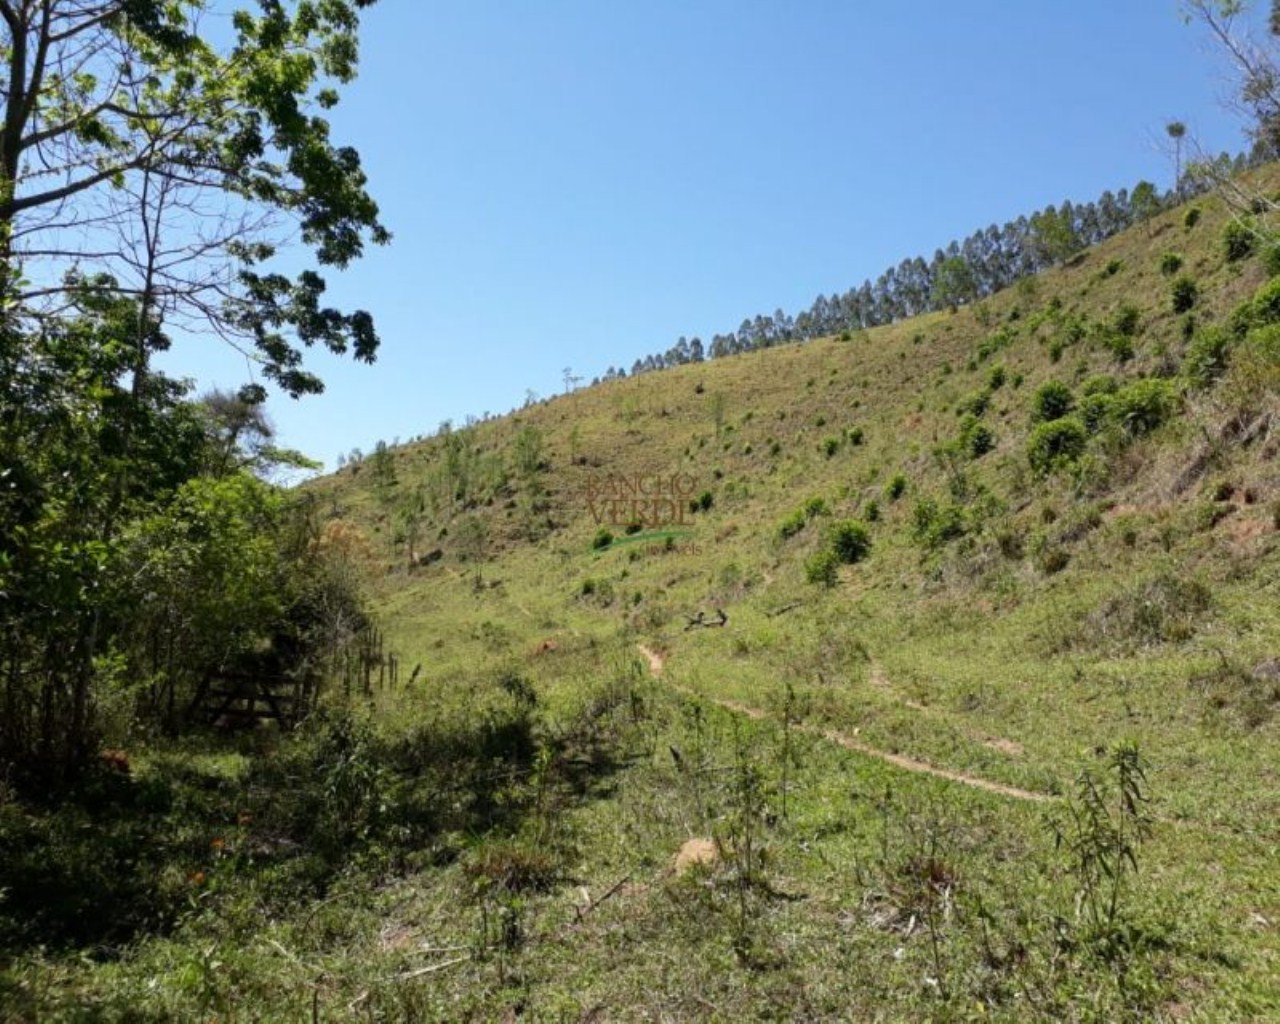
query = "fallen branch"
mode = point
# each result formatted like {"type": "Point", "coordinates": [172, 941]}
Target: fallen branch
{"type": "Point", "coordinates": [700, 620]}
{"type": "Point", "coordinates": [785, 608]}
{"type": "Point", "coordinates": [432, 968]}
{"type": "Point", "coordinates": [582, 912]}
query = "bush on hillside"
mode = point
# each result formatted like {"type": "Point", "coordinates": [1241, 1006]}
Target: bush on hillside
{"type": "Point", "coordinates": [1238, 240]}
{"type": "Point", "coordinates": [1263, 308]}
{"type": "Point", "coordinates": [823, 567]}
{"type": "Point", "coordinates": [976, 439]}
{"type": "Point", "coordinates": [1052, 401]}
{"type": "Point", "coordinates": [933, 525]}
{"type": "Point", "coordinates": [1096, 411]}
{"type": "Point", "coordinates": [1144, 405]}
{"type": "Point", "coordinates": [1163, 609]}
{"type": "Point", "coordinates": [1207, 357]}
{"type": "Point", "coordinates": [1100, 384]}
{"type": "Point", "coordinates": [1056, 444]}
{"type": "Point", "coordinates": [1183, 293]}
{"type": "Point", "coordinates": [1126, 320]}
{"type": "Point", "coordinates": [975, 404]}
{"type": "Point", "coordinates": [850, 541]}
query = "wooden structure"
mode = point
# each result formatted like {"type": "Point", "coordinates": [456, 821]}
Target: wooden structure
{"type": "Point", "coordinates": [243, 698]}
{"type": "Point", "coordinates": [259, 687]}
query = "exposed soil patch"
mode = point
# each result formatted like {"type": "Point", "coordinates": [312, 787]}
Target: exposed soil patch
{"type": "Point", "coordinates": [656, 661]}
{"type": "Point", "coordinates": [695, 852]}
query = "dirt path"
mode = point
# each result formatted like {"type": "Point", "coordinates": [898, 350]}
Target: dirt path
{"type": "Point", "coordinates": [657, 662]}
{"type": "Point", "coordinates": [880, 680]}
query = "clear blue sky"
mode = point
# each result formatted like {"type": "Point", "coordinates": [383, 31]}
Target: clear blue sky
{"type": "Point", "coordinates": [575, 183]}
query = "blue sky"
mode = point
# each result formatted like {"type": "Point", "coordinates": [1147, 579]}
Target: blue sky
{"type": "Point", "coordinates": [576, 184]}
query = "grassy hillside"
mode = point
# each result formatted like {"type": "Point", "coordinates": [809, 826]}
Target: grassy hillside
{"type": "Point", "coordinates": [891, 758]}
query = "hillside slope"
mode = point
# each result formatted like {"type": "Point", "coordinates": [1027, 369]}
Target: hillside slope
{"type": "Point", "coordinates": [1070, 501]}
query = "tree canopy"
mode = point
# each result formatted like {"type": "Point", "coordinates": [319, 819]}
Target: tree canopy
{"type": "Point", "coordinates": [155, 157]}
{"type": "Point", "coordinates": [153, 149]}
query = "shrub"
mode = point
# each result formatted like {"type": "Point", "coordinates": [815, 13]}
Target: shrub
{"type": "Point", "coordinates": [792, 525]}
{"type": "Point", "coordinates": [896, 487]}
{"type": "Point", "coordinates": [1126, 320]}
{"type": "Point", "coordinates": [1183, 293]}
{"type": "Point", "coordinates": [1144, 405]}
{"type": "Point", "coordinates": [996, 378]}
{"type": "Point", "coordinates": [976, 438]}
{"type": "Point", "coordinates": [1100, 384]}
{"type": "Point", "coordinates": [1191, 218]}
{"type": "Point", "coordinates": [1255, 365]}
{"type": "Point", "coordinates": [872, 512]}
{"type": "Point", "coordinates": [1002, 338]}
{"type": "Point", "coordinates": [1056, 443]}
{"type": "Point", "coordinates": [975, 404]}
{"type": "Point", "coordinates": [933, 525]}
{"type": "Point", "coordinates": [1052, 559]}
{"type": "Point", "coordinates": [1263, 309]}
{"type": "Point", "coordinates": [798, 519]}
{"type": "Point", "coordinates": [1052, 401]}
{"type": "Point", "coordinates": [1170, 264]}
{"type": "Point", "coordinates": [850, 541]}
{"type": "Point", "coordinates": [1112, 268]}
{"type": "Point", "coordinates": [602, 539]}
{"type": "Point", "coordinates": [1207, 357]}
{"type": "Point", "coordinates": [1271, 259]}
{"type": "Point", "coordinates": [1238, 240]}
{"type": "Point", "coordinates": [1096, 411]}
{"type": "Point", "coordinates": [702, 503]}
{"type": "Point", "coordinates": [856, 436]}
{"type": "Point", "coordinates": [830, 446]}
{"type": "Point", "coordinates": [1119, 345]}
{"type": "Point", "coordinates": [823, 567]}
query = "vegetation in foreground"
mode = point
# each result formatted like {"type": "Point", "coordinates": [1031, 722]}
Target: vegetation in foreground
{"type": "Point", "coordinates": [1006, 756]}
{"type": "Point", "coordinates": [951, 695]}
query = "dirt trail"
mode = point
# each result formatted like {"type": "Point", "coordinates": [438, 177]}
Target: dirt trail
{"type": "Point", "coordinates": [657, 662]}
{"type": "Point", "coordinates": [881, 682]}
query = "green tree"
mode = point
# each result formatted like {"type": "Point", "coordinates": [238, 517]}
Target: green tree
{"type": "Point", "coordinates": [1054, 236]}
{"type": "Point", "coordinates": [954, 283]}
{"type": "Point", "coordinates": [183, 165]}
{"type": "Point", "coordinates": [1145, 201]}
{"type": "Point", "coordinates": [1176, 131]}
{"type": "Point", "coordinates": [68, 480]}
{"type": "Point", "coordinates": [1256, 64]}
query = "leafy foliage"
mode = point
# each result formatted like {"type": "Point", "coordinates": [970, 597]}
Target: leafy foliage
{"type": "Point", "coordinates": [1238, 240]}
{"type": "Point", "coordinates": [1183, 293]}
{"type": "Point", "coordinates": [1051, 401]}
{"type": "Point", "coordinates": [1055, 444]}
{"type": "Point", "coordinates": [850, 541]}
{"type": "Point", "coordinates": [823, 567]}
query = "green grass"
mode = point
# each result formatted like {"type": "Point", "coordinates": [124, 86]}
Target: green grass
{"type": "Point", "coordinates": [438, 869]}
